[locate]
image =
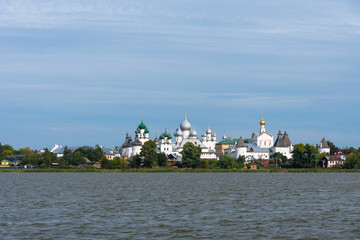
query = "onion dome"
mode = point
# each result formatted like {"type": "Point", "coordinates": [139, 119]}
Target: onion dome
{"type": "Point", "coordinates": [178, 132]}
{"type": "Point", "coordinates": [213, 134]}
{"type": "Point", "coordinates": [146, 130]}
{"type": "Point", "coordinates": [193, 132]}
{"type": "Point", "coordinates": [185, 125]}
{"type": "Point", "coordinates": [208, 131]}
{"type": "Point", "coordinates": [262, 122]}
{"type": "Point", "coordinates": [162, 136]}
{"type": "Point", "coordinates": [168, 135]}
{"type": "Point", "coordinates": [142, 125]}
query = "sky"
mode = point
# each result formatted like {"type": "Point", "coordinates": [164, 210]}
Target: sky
{"type": "Point", "coordinates": [85, 72]}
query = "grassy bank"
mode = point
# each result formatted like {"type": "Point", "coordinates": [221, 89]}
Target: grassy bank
{"type": "Point", "coordinates": [178, 170]}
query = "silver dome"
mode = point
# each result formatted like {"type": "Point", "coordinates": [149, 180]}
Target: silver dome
{"type": "Point", "coordinates": [185, 125]}
{"type": "Point", "coordinates": [178, 132]}
{"type": "Point", "coordinates": [193, 133]}
{"type": "Point", "coordinates": [208, 131]}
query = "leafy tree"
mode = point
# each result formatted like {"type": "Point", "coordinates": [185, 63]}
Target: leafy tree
{"type": "Point", "coordinates": [213, 163]}
{"type": "Point", "coordinates": [162, 159]}
{"type": "Point", "coordinates": [67, 154]}
{"type": "Point", "coordinates": [278, 157]}
{"type": "Point", "coordinates": [48, 158]}
{"type": "Point", "coordinates": [191, 155]}
{"type": "Point", "coordinates": [108, 164]}
{"type": "Point", "coordinates": [333, 148]}
{"type": "Point", "coordinates": [148, 152]}
{"type": "Point", "coordinates": [204, 163]}
{"type": "Point", "coordinates": [312, 156]}
{"type": "Point", "coordinates": [6, 147]}
{"type": "Point", "coordinates": [135, 161]}
{"type": "Point", "coordinates": [240, 159]}
{"type": "Point", "coordinates": [6, 153]}
{"type": "Point", "coordinates": [348, 150]}
{"type": "Point", "coordinates": [26, 151]}
{"type": "Point", "coordinates": [123, 163]}
{"type": "Point", "coordinates": [299, 155]}
{"type": "Point", "coordinates": [76, 159]}
{"type": "Point", "coordinates": [352, 161]}
{"type": "Point", "coordinates": [97, 154]}
{"type": "Point", "coordinates": [305, 156]}
{"type": "Point", "coordinates": [225, 161]}
{"type": "Point", "coordinates": [35, 159]}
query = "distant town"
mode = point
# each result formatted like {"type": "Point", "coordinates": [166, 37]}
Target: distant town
{"type": "Point", "coordinates": [185, 149]}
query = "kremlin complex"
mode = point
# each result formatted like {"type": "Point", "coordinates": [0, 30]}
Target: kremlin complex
{"type": "Point", "coordinates": [260, 145]}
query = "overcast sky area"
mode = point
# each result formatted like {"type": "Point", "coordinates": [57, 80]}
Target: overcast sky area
{"type": "Point", "coordinates": [84, 72]}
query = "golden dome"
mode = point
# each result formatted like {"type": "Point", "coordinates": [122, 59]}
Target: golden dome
{"type": "Point", "coordinates": [262, 122]}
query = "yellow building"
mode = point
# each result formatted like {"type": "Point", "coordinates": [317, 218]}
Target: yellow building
{"type": "Point", "coordinates": [224, 144]}
{"type": "Point", "coordinates": [253, 166]}
{"type": "Point", "coordinates": [5, 163]}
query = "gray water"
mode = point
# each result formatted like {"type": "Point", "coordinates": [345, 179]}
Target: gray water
{"type": "Point", "coordinates": [179, 206]}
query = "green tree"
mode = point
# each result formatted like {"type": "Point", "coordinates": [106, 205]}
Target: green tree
{"type": "Point", "coordinates": [67, 154]}
{"type": "Point", "coordinates": [108, 164]}
{"type": "Point", "coordinates": [123, 163]}
{"type": "Point", "coordinates": [6, 147]}
{"type": "Point", "coordinates": [204, 163]}
{"type": "Point", "coordinates": [278, 158]}
{"type": "Point", "coordinates": [352, 161]}
{"type": "Point", "coordinates": [6, 153]}
{"type": "Point", "coordinates": [213, 163]}
{"type": "Point", "coordinates": [191, 155]}
{"type": "Point", "coordinates": [148, 152]}
{"type": "Point", "coordinates": [26, 151]}
{"type": "Point", "coordinates": [35, 159]}
{"type": "Point", "coordinates": [135, 161]}
{"type": "Point", "coordinates": [162, 159]}
{"type": "Point", "coordinates": [305, 156]}
{"type": "Point", "coordinates": [333, 148]}
{"type": "Point", "coordinates": [48, 158]}
{"type": "Point", "coordinates": [227, 162]}
{"type": "Point", "coordinates": [76, 159]}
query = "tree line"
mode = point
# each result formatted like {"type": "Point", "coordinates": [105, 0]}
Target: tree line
{"type": "Point", "coordinates": [304, 156]}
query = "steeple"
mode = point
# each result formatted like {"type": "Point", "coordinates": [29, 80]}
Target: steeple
{"type": "Point", "coordinates": [262, 125]}
{"type": "Point", "coordinates": [241, 143]}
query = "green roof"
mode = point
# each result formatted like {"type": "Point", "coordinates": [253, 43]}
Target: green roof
{"type": "Point", "coordinates": [146, 130]}
{"type": "Point", "coordinates": [142, 125]}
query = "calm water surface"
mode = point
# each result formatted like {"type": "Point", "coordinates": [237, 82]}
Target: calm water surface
{"type": "Point", "coordinates": [180, 206]}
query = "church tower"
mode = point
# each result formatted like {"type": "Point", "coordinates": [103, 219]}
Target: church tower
{"type": "Point", "coordinates": [262, 125]}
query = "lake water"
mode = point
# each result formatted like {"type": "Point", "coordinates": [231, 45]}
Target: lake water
{"type": "Point", "coordinates": [180, 206]}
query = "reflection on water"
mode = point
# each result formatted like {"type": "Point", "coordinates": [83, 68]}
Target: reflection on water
{"type": "Point", "coordinates": [179, 205]}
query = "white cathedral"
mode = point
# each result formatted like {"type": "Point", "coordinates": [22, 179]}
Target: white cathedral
{"type": "Point", "coordinates": [262, 145]}
{"type": "Point", "coordinates": [186, 133]}
{"type": "Point", "coordinates": [131, 148]}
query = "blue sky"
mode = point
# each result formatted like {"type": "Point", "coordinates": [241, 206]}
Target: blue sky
{"type": "Point", "coordinates": [84, 72]}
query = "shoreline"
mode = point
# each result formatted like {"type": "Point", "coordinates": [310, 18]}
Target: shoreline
{"type": "Point", "coordinates": [180, 170]}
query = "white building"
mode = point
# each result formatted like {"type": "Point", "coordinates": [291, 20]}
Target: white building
{"type": "Point", "coordinates": [324, 147]}
{"type": "Point", "coordinates": [186, 133]}
{"type": "Point", "coordinates": [130, 148]}
{"type": "Point", "coordinates": [262, 145]}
